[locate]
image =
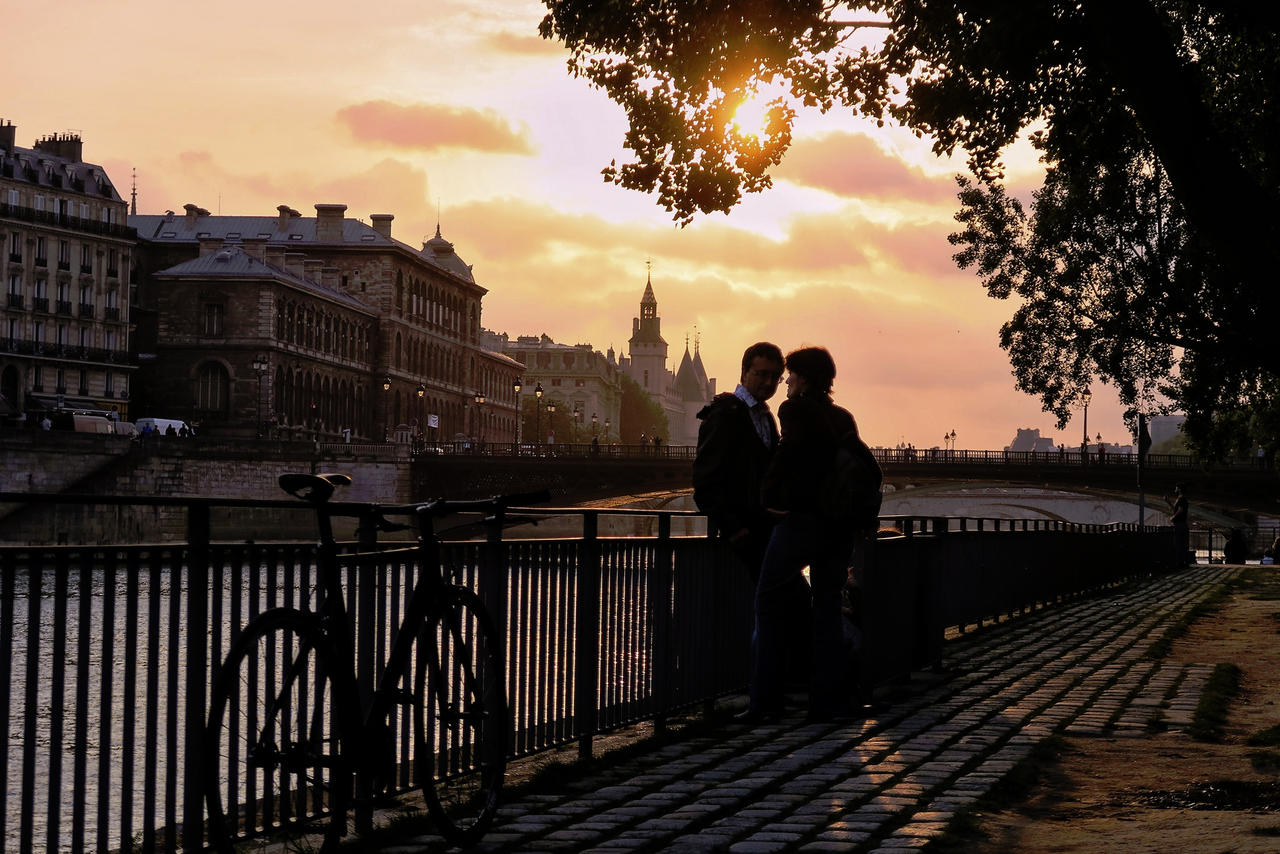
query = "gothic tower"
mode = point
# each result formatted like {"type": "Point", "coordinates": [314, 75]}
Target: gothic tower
{"type": "Point", "coordinates": [646, 348]}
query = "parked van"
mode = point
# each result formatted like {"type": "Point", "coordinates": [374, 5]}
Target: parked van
{"type": "Point", "coordinates": [81, 422]}
{"type": "Point", "coordinates": [160, 426]}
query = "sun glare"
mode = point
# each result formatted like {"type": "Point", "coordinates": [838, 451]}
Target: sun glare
{"type": "Point", "coordinates": [751, 118]}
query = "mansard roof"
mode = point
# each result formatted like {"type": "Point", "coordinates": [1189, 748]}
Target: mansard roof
{"type": "Point", "coordinates": [232, 262]}
{"type": "Point", "coordinates": [293, 230]}
{"type": "Point", "coordinates": [49, 169]}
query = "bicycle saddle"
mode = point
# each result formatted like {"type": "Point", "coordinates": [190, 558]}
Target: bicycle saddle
{"type": "Point", "coordinates": [316, 488]}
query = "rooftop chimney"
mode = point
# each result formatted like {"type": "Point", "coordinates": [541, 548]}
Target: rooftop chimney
{"type": "Point", "coordinates": [194, 212]}
{"type": "Point", "coordinates": [210, 245]}
{"type": "Point", "coordinates": [67, 146]}
{"type": "Point", "coordinates": [275, 256]}
{"type": "Point", "coordinates": [286, 213]}
{"type": "Point", "coordinates": [255, 247]}
{"type": "Point", "coordinates": [329, 277]}
{"type": "Point", "coordinates": [329, 223]}
{"type": "Point", "coordinates": [382, 224]}
{"type": "Point", "coordinates": [293, 262]}
{"type": "Point", "coordinates": [8, 133]}
{"type": "Point", "coordinates": [311, 269]}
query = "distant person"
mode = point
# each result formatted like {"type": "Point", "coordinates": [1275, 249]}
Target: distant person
{"type": "Point", "coordinates": [45, 423]}
{"type": "Point", "coordinates": [1180, 519]}
{"type": "Point", "coordinates": [1236, 549]}
{"type": "Point", "coordinates": [812, 427]}
{"type": "Point", "coordinates": [169, 431]}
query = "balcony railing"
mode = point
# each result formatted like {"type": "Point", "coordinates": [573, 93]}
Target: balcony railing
{"type": "Point", "coordinates": [74, 223]}
{"type": "Point", "coordinates": [42, 261]}
{"type": "Point", "coordinates": [87, 269]}
{"type": "Point", "coordinates": [40, 304]}
{"type": "Point", "coordinates": [111, 313]}
{"type": "Point", "coordinates": [15, 300]}
{"type": "Point", "coordinates": [64, 266]}
{"type": "Point", "coordinates": [86, 309]}
{"type": "Point", "coordinates": [15, 257]}
{"type": "Point", "coordinates": [62, 306]}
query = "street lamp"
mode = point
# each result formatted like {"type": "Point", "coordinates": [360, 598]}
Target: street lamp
{"type": "Point", "coordinates": [551, 422]}
{"type": "Point", "coordinates": [537, 412]}
{"type": "Point", "coordinates": [478, 417]}
{"type": "Point", "coordinates": [594, 424]}
{"type": "Point", "coordinates": [1085, 398]}
{"type": "Point", "coordinates": [606, 429]}
{"type": "Point", "coordinates": [516, 386]}
{"type": "Point", "coordinates": [260, 367]}
{"type": "Point", "coordinates": [420, 434]}
{"type": "Point", "coordinates": [386, 394]}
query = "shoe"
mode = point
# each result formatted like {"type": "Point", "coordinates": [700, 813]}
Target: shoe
{"type": "Point", "coordinates": [752, 717]}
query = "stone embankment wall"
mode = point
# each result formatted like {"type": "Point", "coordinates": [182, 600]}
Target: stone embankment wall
{"type": "Point", "coordinates": [51, 462]}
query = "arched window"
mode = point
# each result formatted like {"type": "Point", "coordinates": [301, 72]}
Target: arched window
{"type": "Point", "coordinates": [211, 389]}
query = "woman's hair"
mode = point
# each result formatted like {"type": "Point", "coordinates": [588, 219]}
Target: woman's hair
{"type": "Point", "coordinates": [815, 365]}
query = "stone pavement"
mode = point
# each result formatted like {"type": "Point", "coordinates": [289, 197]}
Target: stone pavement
{"type": "Point", "coordinates": [893, 781]}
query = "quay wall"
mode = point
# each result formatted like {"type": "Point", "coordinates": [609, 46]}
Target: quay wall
{"type": "Point", "coordinates": [53, 462]}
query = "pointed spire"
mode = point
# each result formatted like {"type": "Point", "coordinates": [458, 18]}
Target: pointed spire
{"type": "Point", "coordinates": [133, 194]}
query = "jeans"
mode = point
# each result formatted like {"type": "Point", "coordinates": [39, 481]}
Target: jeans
{"type": "Point", "coordinates": [800, 540]}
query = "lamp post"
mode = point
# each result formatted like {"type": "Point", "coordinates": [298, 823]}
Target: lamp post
{"type": "Point", "coordinates": [1084, 442]}
{"type": "Point", "coordinates": [419, 436]}
{"type": "Point", "coordinates": [594, 425]}
{"type": "Point", "coordinates": [479, 417]}
{"type": "Point", "coordinates": [606, 429]}
{"type": "Point", "coordinates": [386, 394]}
{"type": "Point", "coordinates": [260, 367]}
{"type": "Point", "coordinates": [516, 386]}
{"type": "Point", "coordinates": [551, 411]}
{"type": "Point", "coordinates": [537, 412]}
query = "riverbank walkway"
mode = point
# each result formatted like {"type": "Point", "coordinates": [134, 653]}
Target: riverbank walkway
{"type": "Point", "coordinates": [894, 780]}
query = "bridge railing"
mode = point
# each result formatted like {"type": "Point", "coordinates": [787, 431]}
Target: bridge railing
{"type": "Point", "coordinates": [612, 617]}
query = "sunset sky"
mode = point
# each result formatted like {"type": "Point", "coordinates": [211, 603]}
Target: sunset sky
{"type": "Point", "coordinates": [457, 107]}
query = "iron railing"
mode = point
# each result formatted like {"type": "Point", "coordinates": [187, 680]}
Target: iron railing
{"type": "Point", "coordinates": [611, 617]}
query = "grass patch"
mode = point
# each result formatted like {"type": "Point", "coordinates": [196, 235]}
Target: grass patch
{"type": "Point", "coordinates": [1210, 716]}
{"type": "Point", "coordinates": [1015, 787]}
{"type": "Point", "coordinates": [1264, 761]}
{"type": "Point", "coordinates": [1210, 605]}
{"type": "Point", "coordinates": [1265, 738]}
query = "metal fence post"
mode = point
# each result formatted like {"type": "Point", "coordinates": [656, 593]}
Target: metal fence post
{"type": "Point", "coordinates": [197, 676]}
{"type": "Point", "coordinates": [586, 664]}
{"type": "Point", "coordinates": [660, 617]}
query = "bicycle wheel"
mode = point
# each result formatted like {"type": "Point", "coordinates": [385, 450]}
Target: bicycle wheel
{"type": "Point", "coordinates": [461, 721]}
{"type": "Point", "coordinates": [274, 759]}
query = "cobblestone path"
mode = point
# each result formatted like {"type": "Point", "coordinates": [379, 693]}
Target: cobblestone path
{"type": "Point", "coordinates": [895, 780]}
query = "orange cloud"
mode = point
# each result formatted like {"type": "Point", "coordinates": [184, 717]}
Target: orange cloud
{"type": "Point", "coordinates": [520, 44]}
{"type": "Point", "coordinates": [427, 127]}
{"type": "Point", "coordinates": [852, 164]}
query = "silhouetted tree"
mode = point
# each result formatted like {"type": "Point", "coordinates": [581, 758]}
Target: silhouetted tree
{"type": "Point", "coordinates": [639, 413]}
{"type": "Point", "coordinates": [1158, 120]}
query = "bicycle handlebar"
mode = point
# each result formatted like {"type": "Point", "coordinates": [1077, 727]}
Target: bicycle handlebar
{"type": "Point", "coordinates": [319, 488]}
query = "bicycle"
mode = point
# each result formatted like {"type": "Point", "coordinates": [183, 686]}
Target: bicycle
{"type": "Point", "coordinates": [287, 734]}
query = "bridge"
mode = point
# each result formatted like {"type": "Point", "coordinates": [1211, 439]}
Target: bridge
{"type": "Point", "coordinates": [576, 470]}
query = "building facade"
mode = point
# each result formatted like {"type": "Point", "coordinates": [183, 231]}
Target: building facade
{"type": "Point", "coordinates": [66, 325]}
{"type": "Point", "coordinates": [242, 320]}
{"type": "Point", "coordinates": [427, 368]}
{"type": "Point", "coordinates": [580, 382]}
